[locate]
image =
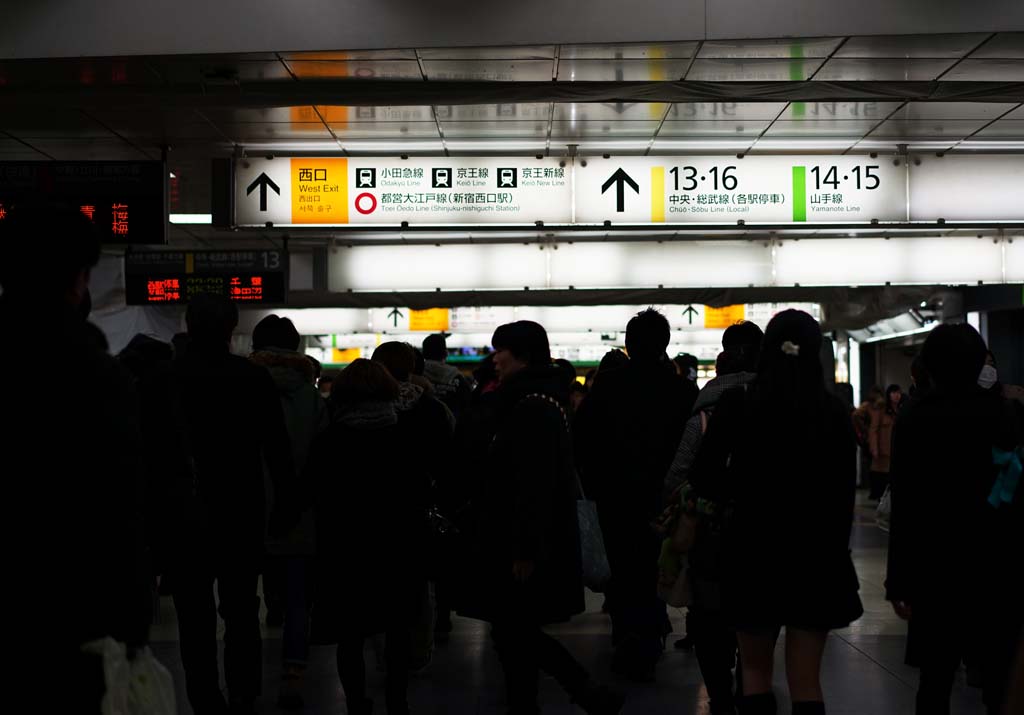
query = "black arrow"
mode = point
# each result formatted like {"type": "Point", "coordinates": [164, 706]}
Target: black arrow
{"type": "Point", "coordinates": [396, 314]}
{"type": "Point", "coordinates": [263, 181]}
{"type": "Point", "coordinates": [690, 311]}
{"type": "Point", "coordinates": [620, 179]}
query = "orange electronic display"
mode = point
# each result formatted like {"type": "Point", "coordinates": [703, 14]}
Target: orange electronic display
{"type": "Point", "coordinates": [173, 277]}
{"type": "Point", "coordinates": [127, 200]}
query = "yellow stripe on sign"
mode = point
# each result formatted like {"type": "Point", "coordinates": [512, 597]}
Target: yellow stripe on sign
{"type": "Point", "coordinates": [658, 194]}
{"type": "Point", "coordinates": [190, 263]}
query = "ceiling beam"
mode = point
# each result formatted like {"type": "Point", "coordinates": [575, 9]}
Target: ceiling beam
{"type": "Point", "coordinates": [350, 92]}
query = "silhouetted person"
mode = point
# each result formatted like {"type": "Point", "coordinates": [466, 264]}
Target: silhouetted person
{"type": "Point", "coordinates": [288, 569]}
{"type": "Point", "coordinates": [371, 499]}
{"type": "Point", "coordinates": [429, 425]}
{"type": "Point", "coordinates": [779, 458]}
{"type": "Point", "coordinates": [450, 385]}
{"type": "Point", "coordinates": [528, 569]}
{"type": "Point", "coordinates": [707, 627]}
{"type": "Point", "coordinates": [223, 422]}
{"type": "Point", "coordinates": [627, 431]}
{"type": "Point", "coordinates": [73, 482]}
{"type": "Point", "coordinates": [880, 438]}
{"type": "Point", "coordinates": [948, 572]}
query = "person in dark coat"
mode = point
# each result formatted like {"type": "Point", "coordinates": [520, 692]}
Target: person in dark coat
{"type": "Point", "coordinates": [287, 570]}
{"type": "Point", "coordinates": [950, 572]}
{"type": "Point", "coordinates": [77, 567]}
{"type": "Point", "coordinates": [529, 569]}
{"type": "Point", "coordinates": [627, 432]}
{"type": "Point", "coordinates": [371, 502]}
{"type": "Point", "coordinates": [778, 458]}
{"type": "Point", "coordinates": [212, 425]}
{"type": "Point", "coordinates": [428, 423]}
{"type": "Point", "coordinates": [707, 627]}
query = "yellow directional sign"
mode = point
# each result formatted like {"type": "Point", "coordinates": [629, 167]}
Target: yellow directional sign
{"type": "Point", "coordinates": [435, 320]}
{"type": "Point", "coordinates": [319, 190]}
{"type": "Point", "coordinates": [724, 317]}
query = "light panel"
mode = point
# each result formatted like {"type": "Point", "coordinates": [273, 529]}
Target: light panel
{"type": "Point", "coordinates": [877, 261]}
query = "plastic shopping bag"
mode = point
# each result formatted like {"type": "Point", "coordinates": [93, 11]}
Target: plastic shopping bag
{"type": "Point", "coordinates": [140, 686]}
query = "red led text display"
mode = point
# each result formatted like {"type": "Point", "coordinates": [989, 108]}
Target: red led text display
{"type": "Point", "coordinates": [125, 200]}
{"type": "Point", "coordinates": [173, 277]}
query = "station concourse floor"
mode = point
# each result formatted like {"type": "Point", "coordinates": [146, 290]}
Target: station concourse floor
{"type": "Point", "coordinates": [863, 672]}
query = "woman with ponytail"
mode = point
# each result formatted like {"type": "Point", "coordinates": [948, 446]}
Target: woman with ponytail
{"type": "Point", "coordinates": [778, 460]}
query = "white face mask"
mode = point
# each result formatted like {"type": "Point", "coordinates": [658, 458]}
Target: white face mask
{"type": "Point", "coordinates": [988, 377]}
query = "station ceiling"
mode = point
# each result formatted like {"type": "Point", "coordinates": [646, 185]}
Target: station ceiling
{"type": "Point", "coordinates": [867, 94]}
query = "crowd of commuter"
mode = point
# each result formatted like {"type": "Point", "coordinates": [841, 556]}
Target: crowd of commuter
{"type": "Point", "coordinates": [379, 500]}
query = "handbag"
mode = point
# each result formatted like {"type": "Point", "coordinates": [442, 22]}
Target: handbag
{"type": "Point", "coordinates": [594, 558]}
{"type": "Point", "coordinates": [673, 576]}
{"type": "Point", "coordinates": [595, 569]}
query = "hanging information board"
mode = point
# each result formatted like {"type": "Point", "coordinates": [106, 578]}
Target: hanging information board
{"type": "Point", "coordinates": [173, 277]}
{"type": "Point", "coordinates": [389, 191]}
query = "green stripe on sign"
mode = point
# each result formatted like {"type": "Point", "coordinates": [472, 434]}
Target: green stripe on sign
{"type": "Point", "coordinates": [799, 193]}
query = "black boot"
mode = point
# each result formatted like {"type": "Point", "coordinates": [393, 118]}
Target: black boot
{"type": "Point", "coordinates": [599, 700]}
{"type": "Point", "coordinates": [809, 707]}
{"type": "Point", "coordinates": [760, 704]}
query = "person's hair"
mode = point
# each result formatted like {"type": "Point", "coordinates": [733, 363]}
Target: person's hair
{"type": "Point", "coordinates": [317, 367]}
{"type": "Point", "coordinates": [888, 397]}
{"type": "Point", "coordinates": [647, 335]}
{"type": "Point", "coordinates": [435, 347]}
{"type": "Point", "coordinates": [526, 340]}
{"type": "Point", "coordinates": [275, 332]}
{"type": "Point", "coordinates": [364, 381]}
{"type": "Point", "coordinates": [612, 359]}
{"type": "Point", "coordinates": [326, 378]}
{"type": "Point", "coordinates": [742, 342]}
{"type": "Point", "coordinates": [566, 368]}
{"type": "Point", "coordinates": [991, 355]}
{"type": "Point", "coordinates": [789, 372]}
{"type": "Point", "coordinates": [143, 353]}
{"type": "Point", "coordinates": [398, 358]}
{"type": "Point", "coordinates": [211, 318]}
{"type": "Point", "coordinates": [421, 362]}
{"type": "Point", "coordinates": [44, 245]}
{"type": "Point", "coordinates": [844, 391]}
{"type": "Point", "coordinates": [576, 387]}
{"type": "Point", "coordinates": [686, 362]}
{"type": "Point", "coordinates": [953, 355]}
{"type": "Point", "coordinates": [484, 372]}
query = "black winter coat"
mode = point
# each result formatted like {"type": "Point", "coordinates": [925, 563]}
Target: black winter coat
{"type": "Point", "coordinates": [527, 509]}
{"type": "Point", "coordinates": [224, 412]}
{"type": "Point", "coordinates": [789, 481]}
{"type": "Point", "coordinates": [627, 431]}
{"type": "Point", "coordinates": [946, 543]}
{"type": "Point", "coordinates": [371, 497]}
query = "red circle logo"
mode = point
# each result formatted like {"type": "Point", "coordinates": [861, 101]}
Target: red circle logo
{"type": "Point", "coordinates": [360, 203]}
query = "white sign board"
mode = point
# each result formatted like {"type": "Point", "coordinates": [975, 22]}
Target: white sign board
{"type": "Point", "coordinates": [389, 191]}
{"type": "Point", "coordinates": [967, 188]}
{"type": "Point", "coordinates": [724, 189]}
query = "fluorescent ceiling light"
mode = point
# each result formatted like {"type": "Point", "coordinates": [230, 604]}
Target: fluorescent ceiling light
{"type": "Point", "coordinates": [803, 144]}
{"type": "Point", "coordinates": [471, 145]}
{"type": "Point", "coordinates": [902, 334]}
{"type": "Point", "coordinates": [191, 218]}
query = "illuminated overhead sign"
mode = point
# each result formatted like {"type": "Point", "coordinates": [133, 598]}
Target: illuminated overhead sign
{"type": "Point", "coordinates": [390, 191]}
{"type": "Point", "coordinates": [126, 200]}
{"type": "Point", "coordinates": [755, 189]}
{"type": "Point", "coordinates": [173, 277]}
{"type": "Point", "coordinates": [793, 190]}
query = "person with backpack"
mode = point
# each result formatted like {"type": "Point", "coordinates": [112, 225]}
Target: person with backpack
{"type": "Point", "coordinates": [713, 640]}
{"type": "Point", "coordinates": [777, 463]}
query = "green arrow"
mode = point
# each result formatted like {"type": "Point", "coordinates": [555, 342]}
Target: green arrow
{"type": "Point", "coordinates": [690, 312]}
{"type": "Point", "coordinates": [396, 314]}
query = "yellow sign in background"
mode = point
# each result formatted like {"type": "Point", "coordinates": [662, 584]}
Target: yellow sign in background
{"type": "Point", "coordinates": [319, 190]}
{"type": "Point", "coordinates": [724, 317]}
{"type": "Point", "coordinates": [432, 319]}
{"type": "Point", "coordinates": [341, 356]}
